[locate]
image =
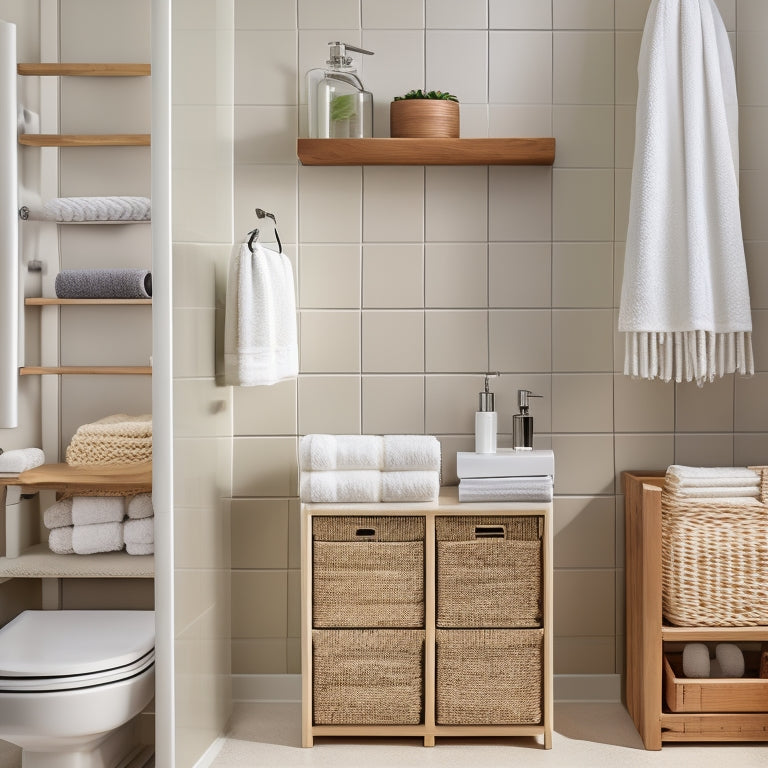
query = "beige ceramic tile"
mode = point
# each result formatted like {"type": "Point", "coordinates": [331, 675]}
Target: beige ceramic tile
{"type": "Point", "coordinates": [643, 406]}
{"type": "Point", "coordinates": [393, 341]}
{"type": "Point", "coordinates": [630, 14]}
{"type": "Point", "coordinates": [643, 452]}
{"type": "Point", "coordinates": [582, 340]}
{"type": "Point", "coordinates": [329, 276]}
{"type": "Point", "coordinates": [265, 410]}
{"type": "Point", "coordinates": [294, 604]}
{"type": "Point", "coordinates": [259, 600]}
{"type": "Point", "coordinates": [329, 405]}
{"type": "Point", "coordinates": [582, 67]}
{"type": "Point", "coordinates": [330, 201]}
{"type": "Point", "coordinates": [751, 405]}
{"type": "Point", "coordinates": [393, 204]}
{"type": "Point", "coordinates": [265, 51]}
{"type": "Point", "coordinates": [328, 15]}
{"type": "Point", "coordinates": [584, 655]}
{"type": "Point", "coordinates": [584, 604]}
{"type": "Point", "coordinates": [506, 388]}
{"type": "Point", "coordinates": [474, 121]}
{"type": "Point", "coordinates": [627, 54]}
{"type": "Point", "coordinates": [194, 273]}
{"type": "Point", "coordinates": [465, 76]}
{"type": "Point", "coordinates": [760, 339]}
{"type": "Point", "coordinates": [202, 471]}
{"type": "Point", "coordinates": [582, 204]}
{"type": "Point", "coordinates": [329, 342]}
{"type": "Point", "coordinates": [520, 67]}
{"type": "Point", "coordinates": [264, 14]}
{"type": "Point", "coordinates": [123, 32]}
{"type": "Point", "coordinates": [585, 136]}
{"type": "Point", "coordinates": [201, 408]}
{"type": "Point", "coordinates": [103, 107]}
{"type": "Point", "coordinates": [622, 200]}
{"type": "Point", "coordinates": [259, 533]}
{"type": "Point", "coordinates": [702, 450]}
{"type": "Point", "coordinates": [456, 341]}
{"type": "Point", "coordinates": [393, 405]}
{"type": "Point", "coordinates": [519, 120]}
{"type": "Point", "coordinates": [584, 532]}
{"type": "Point", "coordinates": [472, 14]}
{"type": "Point", "coordinates": [582, 402]}
{"type": "Point", "coordinates": [254, 184]}
{"type": "Point", "coordinates": [397, 14]}
{"type": "Point", "coordinates": [750, 450]}
{"type": "Point", "coordinates": [519, 14]}
{"type": "Point", "coordinates": [520, 340]}
{"type": "Point", "coordinates": [753, 219]}
{"type": "Point", "coordinates": [264, 466]}
{"type": "Point", "coordinates": [705, 409]}
{"type": "Point", "coordinates": [520, 204]}
{"type": "Point", "coordinates": [620, 531]}
{"type": "Point", "coordinates": [264, 134]}
{"type": "Point", "coordinates": [195, 593]}
{"type": "Point", "coordinates": [202, 536]}
{"type": "Point", "coordinates": [625, 136]}
{"type": "Point", "coordinates": [519, 275]}
{"type": "Point", "coordinates": [583, 14]}
{"type": "Point", "coordinates": [91, 171]}
{"type": "Point", "coordinates": [451, 403]}
{"type": "Point", "coordinates": [456, 275]}
{"type": "Point", "coordinates": [757, 271]}
{"type": "Point", "coordinates": [582, 275]}
{"type": "Point", "coordinates": [193, 344]}
{"type": "Point", "coordinates": [393, 276]}
{"type": "Point", "coordinates": [293, 655]}
{"type": "Point", "coordinates": [259, 657]}
{"type": "Point", "coordinates": [451, 445]}
{"type": "Point", "coordinates": [294, 533]}
{"type": "Point", "coordinates": [104, 594]}
{"type": "Point", "coordinates": [456, 204]}
{"type": "Point", "coordinates": [753, 124]}
{"type": "Point", "coordinates": [750, 59]}
{"type": "Point", "coordinates": [583, 464]}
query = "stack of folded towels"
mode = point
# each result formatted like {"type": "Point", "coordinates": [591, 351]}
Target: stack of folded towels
{"type": "Point", "coordinates": [506, 475]}
{"type": "Point", "coordinates": [725, 485]}
{"type": "Point", "coordinates": [19, 460]}
{"type": "Point", "coordinates": [117, 439]}
{"type": "Point", "coordinates": [85, 525]}
{"type": "Point", "coordinates": [369, 468]}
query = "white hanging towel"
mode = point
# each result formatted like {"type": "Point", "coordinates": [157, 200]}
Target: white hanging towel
{"type": "Point", "coordinates": [260, 338]}
{"type": "Point", "coordinates": [685, 299]}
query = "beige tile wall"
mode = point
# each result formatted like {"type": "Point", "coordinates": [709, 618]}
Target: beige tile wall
{"type": "Point", "coordinates": [414, 281]}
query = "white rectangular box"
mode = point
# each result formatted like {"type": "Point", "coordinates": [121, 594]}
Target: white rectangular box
{"type": "Point", "coordinates": [506, 462]}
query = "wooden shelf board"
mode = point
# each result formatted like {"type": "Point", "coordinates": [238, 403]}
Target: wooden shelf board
{"type": "Point", "coordinates": [99, 370]}
{"type": "Point", "coordinates": [39, 562]}
{"type": "Point", "coordinates": [714, 634]}
{"type": "Point", "coordinates": [63, 477]}
{"type": "Point", "coordinates": [71, 69]}
{"type": "Point", "coordinates": [41, 301]}
{"type": "Point", "coordinates": [84, 139]}
{"type": "Point", "coordinates": [512, 151]}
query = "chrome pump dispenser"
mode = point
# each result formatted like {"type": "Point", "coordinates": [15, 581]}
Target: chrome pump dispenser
{"type": "Point", "coordinates": [486, 419]}
{"type": "Point", "coordinates": [522, 423]}
{"type": "Point", "coordinates": [338, 104]}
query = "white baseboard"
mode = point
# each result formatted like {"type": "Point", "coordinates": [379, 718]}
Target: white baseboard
{"type": "Point", "coordinates": [287, 688]}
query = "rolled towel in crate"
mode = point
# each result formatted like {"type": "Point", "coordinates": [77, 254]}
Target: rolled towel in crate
{"type": "Point", "coordinates": [60, 540]}
{"type": "Point", "coordinates": [58, 515]}
{"type": "Point", "coordinates": [134, 548]}
{"type": "Point", "coordinates": [679, 477]}
{"type": "Point", "coordinates": [140, 506]}
{"type": "Point", "coordinates": [90, 510]}
{"type": "Point", "coordinates": [140, 531]}
{"type": "Point", "coordinates": [20, 460]}
{"type": "Point", "coordinates": [102, 537]}
{"type": "Point", "coordinates": [103, 209]}
{"type": "Point", "coordinates": [104, 284]}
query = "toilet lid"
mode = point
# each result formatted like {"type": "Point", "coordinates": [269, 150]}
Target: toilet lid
{"type": "Point", "coordinates": [43, 644]}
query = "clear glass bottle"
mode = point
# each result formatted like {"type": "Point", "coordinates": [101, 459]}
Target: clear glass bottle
{"type": "Point", "coordinates": [338, 104]}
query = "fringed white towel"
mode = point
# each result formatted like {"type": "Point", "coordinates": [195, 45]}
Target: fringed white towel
{"type": "Point", "coordinates": [260, 337]}
{"type": "Point", "coordinates": [685, 300]}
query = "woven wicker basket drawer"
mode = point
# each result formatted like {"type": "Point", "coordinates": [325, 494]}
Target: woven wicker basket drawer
{"type": "Point", "coordinates": [484, 581]}
{"type": "Point", "coordinates": [366, 576]}
{"type": "Point", "coordinates": [489, 677]}
{"type": "Point", "coordinates": [368, 677]}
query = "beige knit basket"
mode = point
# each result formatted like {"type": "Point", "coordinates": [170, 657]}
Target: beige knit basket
{"type": "Point", "coordinates": [715, 562]}
{"type": "Point", "coordinates": [368, 677]}
{"type": "Point", "coordinates": [489, 677]}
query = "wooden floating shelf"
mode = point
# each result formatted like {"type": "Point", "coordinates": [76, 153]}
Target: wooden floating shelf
{"type": "Point", "coordinates": [104, 370]}
{"type": "Point", "coordinates": [64, 477]}
{"type": "Point", "coordinates": [39, 562]}
{"type": "Point", "coordinates": [714, 634]}
{"type": "Point", "coordinates": [84, 140]}
{"type": "Point", "coordinates": [535, 151]}
{"type": "Point", "coordinates": [38, 301]}
{"type": "Point", "coordinates": [61, 69]}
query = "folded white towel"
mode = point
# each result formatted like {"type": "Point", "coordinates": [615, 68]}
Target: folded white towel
{"type": "Point", "coordinates": [410, 486]}
{"type": "Point", "coordinates": [702, 477]}
{"type": "Point", "coordinates": [715, 491]}
{"type": "Point", "coordinates": [140, 506]}
{"type": "Point", "coordinates": [69, 209]}
{"type": "Point", "coordinates": [21, 459]}
{"type": "Point", "coordinates": [356, 485]}
{"type": "Point", "coordinates": [133, 548]}
{"type": "Point", "coordinates": [411, 452]}
{"type": "Point", "coordinates": [60, 540]}
{"type": "Point", "coordinates": [58, 514]}
{"type": "Point", "coordinates": [89, 510]}
{"type": "Point", "coordinates": [141, 531]}
{"type": "Point", "coordinates": [101, 537]}
{"type": "Point", "coordinates": [538, 488]}
{"type": "Point", "coordinates": [685, 305]}
{"type": "Point", "coordinates": [260, 337]}
{"type": "Point", "coordinates": [335, 452]}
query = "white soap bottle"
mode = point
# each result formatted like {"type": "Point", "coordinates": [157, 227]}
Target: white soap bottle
{"type": "Point", "coordinates": [486, 420]}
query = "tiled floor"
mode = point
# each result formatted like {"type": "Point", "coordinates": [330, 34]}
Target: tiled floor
{"type": "Point", "coordinates": [586, 736]}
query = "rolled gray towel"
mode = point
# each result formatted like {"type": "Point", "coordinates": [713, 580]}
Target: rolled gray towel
{"type": "Point", "coordinates": [104, 284]}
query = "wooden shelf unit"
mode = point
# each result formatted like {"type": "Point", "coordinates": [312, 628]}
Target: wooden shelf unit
{"type": "Point", "coordinates": [428, 730]}
{"type": "Point", "coordinates": [646, 633]}
{"type": "Point", "coordinates": [512, 151]}
{"type": "Point", "coordinates": [84, 139]}
{"type": "Point", "coordinates": [90, 69]}
{"type": "Point", "coordinates": [98, 370]}
{"type": "Point", "coordinates": [41, 301]}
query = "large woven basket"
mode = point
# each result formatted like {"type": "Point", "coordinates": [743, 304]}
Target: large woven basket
{"type": "Point", "coordinates": [368, 677]}
{"type": "Point", "coordinates": [715, 562]}
{"type": "Point", "coordinates": [489, 582]}
{"type": "Point", "coordinates": [489, 677]}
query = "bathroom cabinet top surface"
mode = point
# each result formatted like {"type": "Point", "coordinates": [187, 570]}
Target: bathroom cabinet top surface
{"type": "Point", "coordinates": [63, 477]}
{"type": "Point", "coordinates": [39, 562]}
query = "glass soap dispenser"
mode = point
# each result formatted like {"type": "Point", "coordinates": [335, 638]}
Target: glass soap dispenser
{"type": "Point", "coordinates": [339, 106]}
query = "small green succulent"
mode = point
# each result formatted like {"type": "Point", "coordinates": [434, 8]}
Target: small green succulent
{"type": "Point", "coordinates": [419, 94]}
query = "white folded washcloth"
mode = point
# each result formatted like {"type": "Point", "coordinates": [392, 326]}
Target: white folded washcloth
{"type": "Point", "coordinates": [715, 491]}
{"type": "Point", "coordinates": [335, 452]}
{"type": "Point", "coordinates": [141, 531]}
{"type": "Point", "coordinates": [411, 452]}
{"type": "Point", "coordinates": [101, 537]}
{"type": "Point", "coordinates": [21, 459]}
{"type": "Point", "coordinates": [140, 506]}
{"type": "Point", "coordinates": [410, 486]}
{"type": "Point", "coordinates": [89, 510]}
{"type": "Point", "coordinates": [60, 540]}
{"type": "Point", "coordinates": [67, 209]}
{"type": "Point", "coordinates": [58, 514]}
{"type": "Point", "coordinates": [702, 477]}
{"type": "Point", "coordinates": [260, 335]}
{"type": "Point", "coordinates": [354, 485]}
{"type": "Point", "coordinates": [133, 548]}
{"type": "Point", "coordinates": [535, 488]}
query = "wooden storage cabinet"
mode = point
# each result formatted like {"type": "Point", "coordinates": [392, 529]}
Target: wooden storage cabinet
{"type": "Point", "coordinates": [427, 620]}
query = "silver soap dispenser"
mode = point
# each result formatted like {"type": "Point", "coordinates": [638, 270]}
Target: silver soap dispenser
{"type": "Point", "coordinates": [522, 423]}
{"type": "Point", "coordinates": [338, 104]}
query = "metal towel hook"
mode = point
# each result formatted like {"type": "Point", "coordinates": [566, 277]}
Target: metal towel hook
{"type": "Point", "coordinates": [254, 233]}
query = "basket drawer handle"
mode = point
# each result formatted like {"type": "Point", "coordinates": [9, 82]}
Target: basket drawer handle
{"type": "Point", "coordinates": [365, 532]}
{"type": "Point", "coordinates": [489, 532]}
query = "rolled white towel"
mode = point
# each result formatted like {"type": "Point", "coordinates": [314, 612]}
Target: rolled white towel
{"type": "Point", "coordinates": [340, 452]}
{"type": "Point", "coordinates": [140, 506]}
{"type": "Point", "coordinates": [21, 459]}
{"type": "Point", "coordinates": [696, 661]}
{"type": "Point", "coordinates": [60, 540]}
{"type": "Point", "coordinates": [356, 485]}
{"type": "Point", "coordinates": [715, 492]}
{"type": "Point", "coordinates": [410, 486]}
{"type": "Point", "coordinates": [133, 548]}
{"type": "Point", "coordinates": [100, 537]}
{"type": "Point", "coordinates": [89, 510]}
{"type": "Point", "coordinates": [58, 514]}
{"type": "Point", "coordinates": [702, 477]}
{"type": "Point", "coordinates": [141, 531]}
{"type": "Point", "coordinates": [731, 660]}
{"type": "Point", "coordinates": [411, 453]}
{"type": "Point", "coordinates": [97, 209]}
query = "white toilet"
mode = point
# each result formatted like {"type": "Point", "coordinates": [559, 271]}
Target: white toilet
{"type": "Point", "coordinates": [71, 682]}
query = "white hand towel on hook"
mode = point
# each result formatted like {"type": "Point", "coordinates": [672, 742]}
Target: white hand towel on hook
{"type": "Point", "coordinates": [260, 337]}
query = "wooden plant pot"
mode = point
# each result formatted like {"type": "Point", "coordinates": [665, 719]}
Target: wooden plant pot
{"type": "Point", "coordinates": [424, 119]}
